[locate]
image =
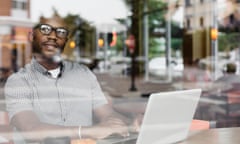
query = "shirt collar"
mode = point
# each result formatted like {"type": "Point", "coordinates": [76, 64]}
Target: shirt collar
{"type": "Point", "coordinates": [37, 66]}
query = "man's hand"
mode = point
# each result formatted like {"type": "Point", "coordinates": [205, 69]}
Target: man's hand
{"type": "Point", "coordinates": [137, 123]}
{"type": "Point", "coordinates": [109, 127]}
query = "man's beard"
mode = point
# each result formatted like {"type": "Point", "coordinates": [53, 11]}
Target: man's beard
{"type": "Point", "coordinates": [56, 58]}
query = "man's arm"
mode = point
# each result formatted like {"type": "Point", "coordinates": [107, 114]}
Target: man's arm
{"type": "Point", "coordinates": [33, 130]}
{"type": "Point", "coordinates": [124, 112]}
{"type": "Point", "coordinates": [107, 112]}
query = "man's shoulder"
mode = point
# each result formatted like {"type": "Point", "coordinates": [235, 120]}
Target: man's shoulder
{"type": "Point", "coordinates": [20, 73]}
{"type": "Point", "coordinates": [24, 70]}
{"type": "Point", "coordinates": [72, 65]}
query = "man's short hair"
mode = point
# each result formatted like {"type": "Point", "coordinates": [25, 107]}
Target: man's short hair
{"type": "Point", "coordinates": [55, 16]}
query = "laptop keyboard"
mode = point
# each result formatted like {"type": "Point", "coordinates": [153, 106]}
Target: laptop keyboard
{"type": "Point", "coordinates": [118, 139]}
{"type": "Point", "coordinates": [114, 136]}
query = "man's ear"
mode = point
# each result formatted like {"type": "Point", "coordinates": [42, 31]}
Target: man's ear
{"type": "Point", "coordinates": [66, 41]}
{"type": "Point", "coordinates": [31, 36]}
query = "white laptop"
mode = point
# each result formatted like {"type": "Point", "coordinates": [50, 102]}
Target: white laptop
{"type": "Point", "coordinates": [167, 118]}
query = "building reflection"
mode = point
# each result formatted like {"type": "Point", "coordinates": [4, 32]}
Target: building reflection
{"type": "Point", "coordinates": [15, 26]}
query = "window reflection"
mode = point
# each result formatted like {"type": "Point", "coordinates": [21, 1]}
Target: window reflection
{"type": "Point", "coordinates": [181, 54]}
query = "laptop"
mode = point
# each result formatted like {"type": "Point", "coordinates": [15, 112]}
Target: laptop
{"type": "Point", "coordinates": [167, 118]}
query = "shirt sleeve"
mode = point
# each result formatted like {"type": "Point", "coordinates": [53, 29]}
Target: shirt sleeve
{"type": "Point", "coordinates": [99, 98]}
{"type": "Point", "coordinates": [17, 94]}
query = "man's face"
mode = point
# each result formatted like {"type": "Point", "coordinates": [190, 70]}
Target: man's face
{"type": "Point", "coordinates": [49, 38]}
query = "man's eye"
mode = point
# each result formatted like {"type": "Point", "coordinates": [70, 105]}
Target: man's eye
{"type": "Point", "coordinates": [45, 29]}
{"type": "Point", "coordinates": [62, 32]}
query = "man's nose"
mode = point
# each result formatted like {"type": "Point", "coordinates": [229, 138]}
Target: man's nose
{"type": "Point", "coordinates": [52, 35]}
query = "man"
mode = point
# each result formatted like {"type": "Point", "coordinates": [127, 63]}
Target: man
{"type": "Point", "coordinates": [51, 97]}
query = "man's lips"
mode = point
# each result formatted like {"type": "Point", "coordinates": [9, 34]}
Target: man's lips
{"type": "Point", "coordinates": [50, 46]}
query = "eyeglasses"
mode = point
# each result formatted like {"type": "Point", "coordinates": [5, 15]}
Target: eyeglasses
{"type": "Point", "coordinates": [47, 29]}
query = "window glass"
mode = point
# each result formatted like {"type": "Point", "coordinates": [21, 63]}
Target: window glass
{"type": "Point", "coordinates": [155, 46]}
{"type": "Point", "coordinates": [14, 4]}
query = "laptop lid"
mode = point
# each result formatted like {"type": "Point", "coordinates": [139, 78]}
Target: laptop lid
{"type": "Point", "coordinates": [168, 116]}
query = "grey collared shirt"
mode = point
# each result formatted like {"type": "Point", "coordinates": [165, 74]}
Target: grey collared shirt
{"type": "Point", "coordinates": [67, 100]}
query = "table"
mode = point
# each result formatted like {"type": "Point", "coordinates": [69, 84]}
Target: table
{"type": "Point", "coordinates": [210, 136]}
{"type": "Point", "coordinates": [6, 132]}
{"type": "Point", "coordinates": [214, 136]}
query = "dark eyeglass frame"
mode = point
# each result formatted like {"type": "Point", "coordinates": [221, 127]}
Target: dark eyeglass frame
{"type": "Point", "coordinates": [58, 30]}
